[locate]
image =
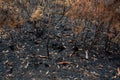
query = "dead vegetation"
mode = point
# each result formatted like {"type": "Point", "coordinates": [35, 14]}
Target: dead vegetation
{"type": "Point", "coordinates": [79, 36]}
{"type": "Point", "coordinates": [9, 14]}
{"type": "Point", "coordinates": [98, 12]}
{"type": "Point", "coordinates": [15, 13]}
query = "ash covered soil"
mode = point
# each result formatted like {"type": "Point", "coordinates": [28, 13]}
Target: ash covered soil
{"type": "Point", "coordinates": [55, 53]}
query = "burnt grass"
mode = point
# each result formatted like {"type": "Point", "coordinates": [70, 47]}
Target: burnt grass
{"type": "Point", "coordinates": [35, 53]}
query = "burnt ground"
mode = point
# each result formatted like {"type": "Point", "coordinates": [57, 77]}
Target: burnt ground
{"type": "Point", "coordinates": [24, 54]}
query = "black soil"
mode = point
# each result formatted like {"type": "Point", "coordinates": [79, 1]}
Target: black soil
{"type": "Point", "coordinates": [55, 53]}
